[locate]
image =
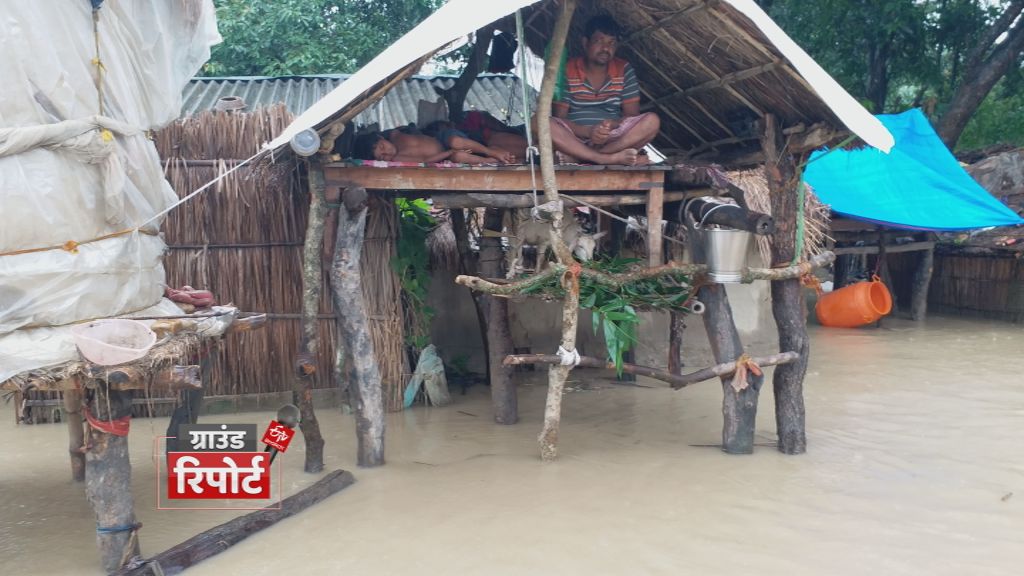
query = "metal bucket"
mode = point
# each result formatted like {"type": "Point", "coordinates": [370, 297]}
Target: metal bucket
{"type": "Point", "coordinates": [726, 253]}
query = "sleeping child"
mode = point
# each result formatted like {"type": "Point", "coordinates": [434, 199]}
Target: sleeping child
{"type": "Point", "coordinates": [408, 145]}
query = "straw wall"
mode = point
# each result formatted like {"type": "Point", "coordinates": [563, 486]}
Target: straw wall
{"type": "Point", "coordinates": [243, 238]}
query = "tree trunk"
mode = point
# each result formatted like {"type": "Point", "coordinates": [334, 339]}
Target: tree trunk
{"type": "Point", "coordinates": [456, 95]}
{"type": "Point", "coordinates": [312, 280]}
{"type": "Point", "coordinates": [788, 306]}
{"type": "Point", "coordinates": [108, 481]}
{"type": "Point", "coordinates": [878, 75]}
{"type": "Point", "coordinates": [499, 334]}
{"type": "Point", "coordinates": [220, 538]}
{"type": "Point", "coordinates": [346, 283]}
{"type": "Point", "coordinates": [977, 82]}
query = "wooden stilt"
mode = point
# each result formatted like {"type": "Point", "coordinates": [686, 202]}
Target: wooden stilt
{"type": "Point", "coordinates": [788, 306]}
{"type": "Point", "coordinates": [570, 307]}
{"type": "Point", "coordinates": [676, 328]}
{"type": "Point", "coordinates": [739, 404]}
{"type": "Point", "coordinates": [312, 280]}
{"type": "Point", "coordinates": [655, 214]}
{"type": "Point", "coordinates": [499, 334]}
{"type": "Point", "coordinates": [76, 434]}
{"type": "Point", "coordinates": [922, 281]}
{"type": "Point", "coordinates": [346, 284]}
{"type": "Point", "coordinates": [468, 264]}
{"type": "Point", "coordinates": [108, 480]}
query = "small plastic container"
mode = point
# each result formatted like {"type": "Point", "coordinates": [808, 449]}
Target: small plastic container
{"type": "Point", "coordinates": [113, 341]}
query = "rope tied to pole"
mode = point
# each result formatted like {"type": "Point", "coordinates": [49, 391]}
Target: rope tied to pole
{"type": "Point", "coordinates": [117, 427]}
{"type": "Point", "coordinates": [744, 364]}
{"type": "Point", "coordinates": [135, 526]}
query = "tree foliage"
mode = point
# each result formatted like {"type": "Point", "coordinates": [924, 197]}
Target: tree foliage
{"type": "Point", "coordinates": [960, 60]}
{"type": "Point", "coordinates": [292, 37]}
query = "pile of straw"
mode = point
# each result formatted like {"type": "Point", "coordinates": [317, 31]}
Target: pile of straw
{"type": "Point", "coordinates": [382, 295]}
{"type": "Point", "coordinates": [816, 215]}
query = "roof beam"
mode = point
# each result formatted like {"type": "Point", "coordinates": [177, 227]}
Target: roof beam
{"type": "Point", "coordinates": [676, 86]}
{"type": "Point", "coordinates": [720, 82]}
{"type": "Point", "coordinates": [759, 45]}
{"type": "Point", "coordinates": [696, 59]}
{"type": "Point", "coordinates": [667, 20]}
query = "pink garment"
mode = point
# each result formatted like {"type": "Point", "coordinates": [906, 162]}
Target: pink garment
{"type": "Point", "coordinates": [623, 129]}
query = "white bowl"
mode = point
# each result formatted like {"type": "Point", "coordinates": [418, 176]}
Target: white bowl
{"type": "Point", "coordinates": [114, 341]}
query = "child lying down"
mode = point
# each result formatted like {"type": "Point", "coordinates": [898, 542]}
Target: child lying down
{"type": "Point", "coordinates": [408, 145]}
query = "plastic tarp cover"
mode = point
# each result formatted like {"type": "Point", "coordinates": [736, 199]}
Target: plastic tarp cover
{"type": "Point", "coordinates": [71, 172]}
{"type": "Point", "coordinates": [919, 185]}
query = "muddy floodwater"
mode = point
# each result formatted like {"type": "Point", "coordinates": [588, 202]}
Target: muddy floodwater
{"type": "Point", "coordinates": [915, 466]}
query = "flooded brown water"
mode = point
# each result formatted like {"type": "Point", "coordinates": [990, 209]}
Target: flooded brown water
{"type": "Point", "coordinates": [915, 466]}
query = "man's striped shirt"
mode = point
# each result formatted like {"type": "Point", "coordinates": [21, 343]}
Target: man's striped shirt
{"type": "Point", "coordinates": [589, 106]}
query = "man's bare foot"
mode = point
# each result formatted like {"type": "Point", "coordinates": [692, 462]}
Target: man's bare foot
{"type": "Point", "coordinates": [627, 157]}
{"type": "Point", "coordinates": [564, 158]}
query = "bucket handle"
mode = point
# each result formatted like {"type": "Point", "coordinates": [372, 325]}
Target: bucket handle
{"type": "Point", "coordinates": [689, 215]}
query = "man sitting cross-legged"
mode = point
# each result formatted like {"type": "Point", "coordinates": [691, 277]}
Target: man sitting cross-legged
{"type": "Point", "coordinates": [598, 117]}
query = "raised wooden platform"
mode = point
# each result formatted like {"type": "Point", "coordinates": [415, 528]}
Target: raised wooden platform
{"type": "Point", "coordinates": [649, 180]}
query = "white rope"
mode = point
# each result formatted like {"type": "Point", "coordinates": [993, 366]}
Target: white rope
{"type": "Point", "coordinates": [531, 150]}
{"type": "Point", "coordinates": [567, 358]}
{"type": "Point", "coordinates": [202, 188]}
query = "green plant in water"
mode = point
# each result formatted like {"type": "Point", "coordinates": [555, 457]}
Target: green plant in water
{"type": "Point", "coordinates": [614, 310]}
{"type": "Point", "coordinates": [411, 265]}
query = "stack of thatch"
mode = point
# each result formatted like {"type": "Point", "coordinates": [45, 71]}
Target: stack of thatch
{"type": "Point", "coordinates": [242, 239]}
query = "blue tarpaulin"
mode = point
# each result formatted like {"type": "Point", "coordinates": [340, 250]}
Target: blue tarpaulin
{"type": "Point", "coordinates": [918, 185]}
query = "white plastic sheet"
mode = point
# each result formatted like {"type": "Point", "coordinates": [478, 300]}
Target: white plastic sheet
{"type": "Point", "coordinates": [72, 172]}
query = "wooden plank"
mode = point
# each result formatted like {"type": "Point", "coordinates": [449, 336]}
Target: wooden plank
{"type": "Point", "coordinates": [474, 180]}
{"type": "Point", "coordinates": [471, 200]}
{"type": "Point", "coordinates": [889, 248]}
{"type": "Point", "coordinates": [655, 211]}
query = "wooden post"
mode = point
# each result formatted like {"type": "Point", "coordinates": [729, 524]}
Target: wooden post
{"type": "Point", "coordinates": [884, 273]}
{"type": "Point", "coordinates": [570, 307]}
{"type": "Point", "coordinates": [499, 334]}
{"type": "Point", "coordinates": [739, 404]}
{"type": "Point", "coordinates": [677, 320]}
{"type": "Point", "coordinates": [655, 214]}
{"type": "Point", "coordinates": [76, 434]}
{"type": "Point", "coordinates": [468, 265]}
{"type": "Point", "coordinates": [108, 479]}
{"type": "Point", "coordinates": [312, 280]}
{"type": "Point", "coordinates": [922, 281]}
{"type": "Point", "coordinates": [346, 284]}
{"type": "Point", "coordinates": [788, 306]}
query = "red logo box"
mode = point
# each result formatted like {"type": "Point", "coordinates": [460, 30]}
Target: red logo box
{"type": "Point", "coordinates": [218, 475]}
{"type": "Point", "coordinates": [278, 436]}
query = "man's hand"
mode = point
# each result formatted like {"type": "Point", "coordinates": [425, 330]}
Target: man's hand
{"type": "Point", "coordinates": [600, 133]}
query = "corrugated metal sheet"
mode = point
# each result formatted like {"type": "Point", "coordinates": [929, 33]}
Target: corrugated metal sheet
{"type": "Point", "coordinates": [498, 94]}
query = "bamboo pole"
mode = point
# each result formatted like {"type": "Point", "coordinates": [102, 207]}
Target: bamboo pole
{"type": "Point", "coordinates": [312, 280]}
{"type": "Point", "coordinates": [570, 308]}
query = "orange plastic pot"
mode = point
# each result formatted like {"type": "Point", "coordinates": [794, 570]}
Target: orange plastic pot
{"type": "Point", "coordinates": [855, 305]}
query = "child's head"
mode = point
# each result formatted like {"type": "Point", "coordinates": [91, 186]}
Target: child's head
{"type": "Point", "coordinates": [373, 146]}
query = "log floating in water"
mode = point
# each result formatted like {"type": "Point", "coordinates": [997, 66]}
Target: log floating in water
{"type": "Point", "coordinates": [677, 382]}
{"type": "Point", "coordinates": [219, 538]}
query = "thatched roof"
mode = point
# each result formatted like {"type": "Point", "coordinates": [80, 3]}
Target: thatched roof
{"type": "Point", "coordinates": [710, 67]}
{"type": "Point", "coordinates": [707, 69]}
